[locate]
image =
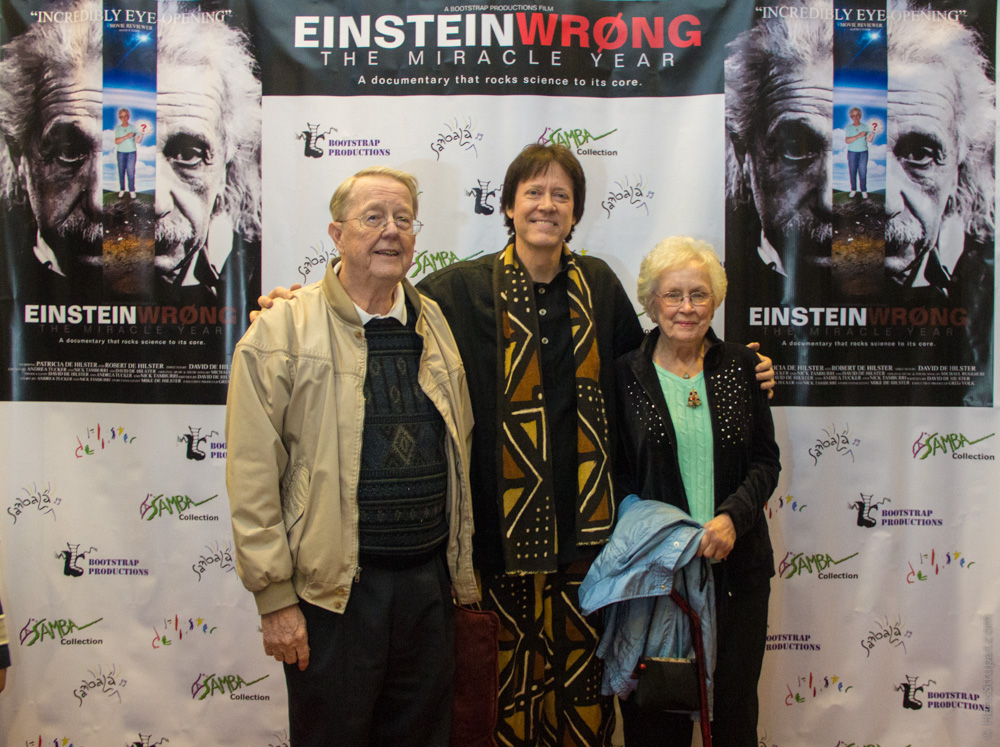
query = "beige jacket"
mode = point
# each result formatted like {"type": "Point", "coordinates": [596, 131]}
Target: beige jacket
{"type": "Point", "coordinates": [294, 420]}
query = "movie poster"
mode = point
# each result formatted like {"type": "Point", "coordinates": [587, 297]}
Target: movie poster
{"type": "Point", "coordinates": [130, 200]}
{"type": "Point", "coordinates": [860, 200]}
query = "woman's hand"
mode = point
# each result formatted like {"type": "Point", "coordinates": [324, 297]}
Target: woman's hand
{"type": "Point", "coordinates": [719, 538]}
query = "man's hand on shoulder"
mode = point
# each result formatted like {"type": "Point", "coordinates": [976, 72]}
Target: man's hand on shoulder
{"type": "Point", "coordinates": [266, 302]}
{"type": "Point", "coordinates": [285, 636]}
{"type": "Point", "coordinates": [764, 369]}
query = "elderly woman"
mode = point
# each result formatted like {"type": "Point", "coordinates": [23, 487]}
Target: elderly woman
{"type": "Point", "coordinates": [697, 433]}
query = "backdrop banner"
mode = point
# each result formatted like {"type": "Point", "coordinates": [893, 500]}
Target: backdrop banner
{"type": "Point", "coordinates": [162, 162]}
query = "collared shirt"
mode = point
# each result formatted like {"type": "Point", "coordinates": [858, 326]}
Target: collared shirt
{"type": "Point", "coordinates": [397, 312]}
{"type": "Point", "coordinates": [559, 384]}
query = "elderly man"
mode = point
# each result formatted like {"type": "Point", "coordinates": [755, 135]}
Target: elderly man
{"type": "Point", "coordinates": [207, 208]}
{"type": "Point", "coordinates": [348, 427]}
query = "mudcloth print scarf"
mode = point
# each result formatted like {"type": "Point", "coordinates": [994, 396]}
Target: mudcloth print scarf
{"type": "Point", "coordinates": [527, 507]}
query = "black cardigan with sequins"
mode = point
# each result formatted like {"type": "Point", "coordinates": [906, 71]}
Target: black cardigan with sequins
{"type": "Point", "coordinates": [745, 452]}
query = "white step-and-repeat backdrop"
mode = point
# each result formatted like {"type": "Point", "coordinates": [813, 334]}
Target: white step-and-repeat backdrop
{"type": "Point", "coordinates": [162, 162]}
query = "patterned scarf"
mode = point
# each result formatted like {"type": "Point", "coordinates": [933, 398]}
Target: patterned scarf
{"type": "Point", "coordinates": [527, 506]}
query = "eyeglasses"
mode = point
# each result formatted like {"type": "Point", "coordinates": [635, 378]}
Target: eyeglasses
{"type": "Point", "coordinates": [676, 298]}
{"type": "Point", "coordinates": [375, 222]}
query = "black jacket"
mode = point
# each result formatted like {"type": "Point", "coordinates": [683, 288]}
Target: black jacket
{"type": "Point", "coordinates": [465, 293]}
{"type": "Point", "coordinates": [745, 452]}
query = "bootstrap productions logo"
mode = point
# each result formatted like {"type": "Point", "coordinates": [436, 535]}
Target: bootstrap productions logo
{"type": "Point", "coordinates": [197, 444]}
{"type": "Point", "coordinates": [953, 699]}
{"type": "Point", "coordinates": [41, 630]}
{"type": "Point", "coordinates": [484, 195]}
{"type": "Point", "coordinates": [951, 445]}
{"type": "Point", "coordinates": [866, 506]}
{"type": "Point", "coordinates": [210, 685]}
{"type": "Point", "coordinates": [146, 740]}
{"type": "Point", "coordinates": [791, 642]}
{"type": "Point", "coordinates": [319, 141]}
{"type": "Point", "coordinates": [74, 567]}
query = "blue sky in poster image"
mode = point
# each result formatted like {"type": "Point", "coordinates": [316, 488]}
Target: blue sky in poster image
{"type": "Point", "coordinates": [130, 82]}
{"type": "Point", "coordinates": [142, 110]}
{"type": "Point", "coordinates": [872, 103]}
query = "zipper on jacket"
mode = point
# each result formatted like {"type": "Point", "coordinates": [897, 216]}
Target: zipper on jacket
{"type": "Point", "coordinates": [357, 574]}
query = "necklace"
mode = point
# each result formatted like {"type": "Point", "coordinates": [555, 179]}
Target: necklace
{"type": "Point", "coordinates": [701, 354]}
{"type": "Point", "coordinates": [693, 399]}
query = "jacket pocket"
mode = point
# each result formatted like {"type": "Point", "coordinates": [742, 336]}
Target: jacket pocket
{"type": "Point", "coordinates": [294, 491]}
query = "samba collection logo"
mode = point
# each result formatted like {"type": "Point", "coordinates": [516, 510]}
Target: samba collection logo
{"type": "Point", "coordinates": [818, 563]}
{"type": "Point", "coordinates": [950, 445]}
{"type": "Point", "coordinates": [207, 686]}
{"type": "Point", "coordinates": [63, 630]}
{"type": "Point", "coordinates": [577, 139]}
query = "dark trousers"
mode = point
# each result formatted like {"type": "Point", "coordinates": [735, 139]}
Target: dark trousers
{"type": "Point", "coordinates": [741, 629]}
{"type": "Point", "coordinates": [381, 673]}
